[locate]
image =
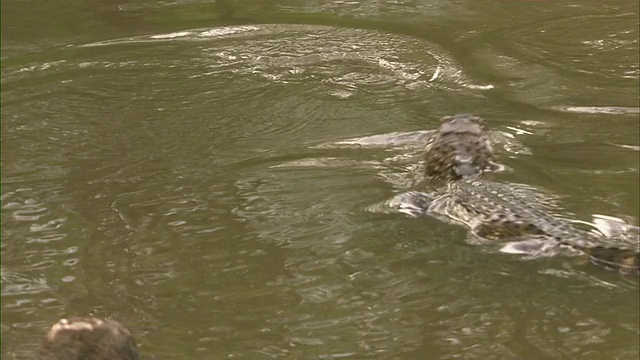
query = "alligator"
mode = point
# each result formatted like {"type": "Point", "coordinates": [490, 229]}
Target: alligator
{"type": "Point", "coordinates": [460, 153]}
{"type": "Point", "coordinates": [88, 338]}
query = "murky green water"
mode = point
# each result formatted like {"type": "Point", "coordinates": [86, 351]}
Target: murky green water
{"type": "Point", "coordinates": [165, 164]}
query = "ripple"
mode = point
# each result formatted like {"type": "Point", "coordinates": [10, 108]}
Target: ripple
{"type": "Point", "coordinates": [561, 44]}
{"type": "Point", "coordinates": [340, 65]}
{"type": "Point", "coordinates": [177, 184]}
{"type": "Point", "coordinates": [282, 81]}
{"type": "Point", "coordinates": [416, 140]}
{"type": "Point", "coordinates": [599, 109]}
{"type": "Point", "coordinates": [14, 284]}
{"type": "Point", "coordinates": [569, 60]}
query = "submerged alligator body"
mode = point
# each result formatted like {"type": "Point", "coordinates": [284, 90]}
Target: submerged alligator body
{"type": "Point", "coordinates": [459, 152]}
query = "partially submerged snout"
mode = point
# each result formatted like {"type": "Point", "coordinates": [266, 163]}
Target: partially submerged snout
{"type": "Point", "coordinates": [464, 166]}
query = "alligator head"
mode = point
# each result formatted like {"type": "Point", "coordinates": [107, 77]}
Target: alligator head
{"type": "Point", "coordinates": [458, 149]}
{"type": "Point", "coordinates": [88, 338]}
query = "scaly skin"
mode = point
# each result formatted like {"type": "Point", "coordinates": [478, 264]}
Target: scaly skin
{"type": "Point", "coordinates": [459, 148]}
{"type": "Point", "coordinates": [458, 153]}
{"type": "Point", "coordinates": [492, 212]}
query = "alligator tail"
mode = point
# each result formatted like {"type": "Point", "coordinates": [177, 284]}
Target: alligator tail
{"type": "Point", "coordinates": [624, 261]}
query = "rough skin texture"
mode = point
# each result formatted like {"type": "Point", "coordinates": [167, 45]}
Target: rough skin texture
{"type": "Point", "coordinates": [458, 153]}
{"type": "Point", "coordinates": [459, 148]}
{"type": "Point", "coordinates": [494, 212]}
{"type": "Point", "coordinates": [88, 338]}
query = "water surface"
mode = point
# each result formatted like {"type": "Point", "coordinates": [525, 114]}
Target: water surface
{"type": "Point", "coordinates": [166, 164]}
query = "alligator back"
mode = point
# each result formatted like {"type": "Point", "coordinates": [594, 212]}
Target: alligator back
{"type": "Point", "coordinates": [498, 211]}
{"type": "Point", "coordinates": [508, 212]}
{"type": "Point", "coordinates": [459, 148]}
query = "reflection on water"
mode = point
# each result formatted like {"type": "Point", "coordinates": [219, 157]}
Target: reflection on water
{"type": "Point", "coordinates": [600, 110]}
{"type": "Point", "coordinates": [200, 183]}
